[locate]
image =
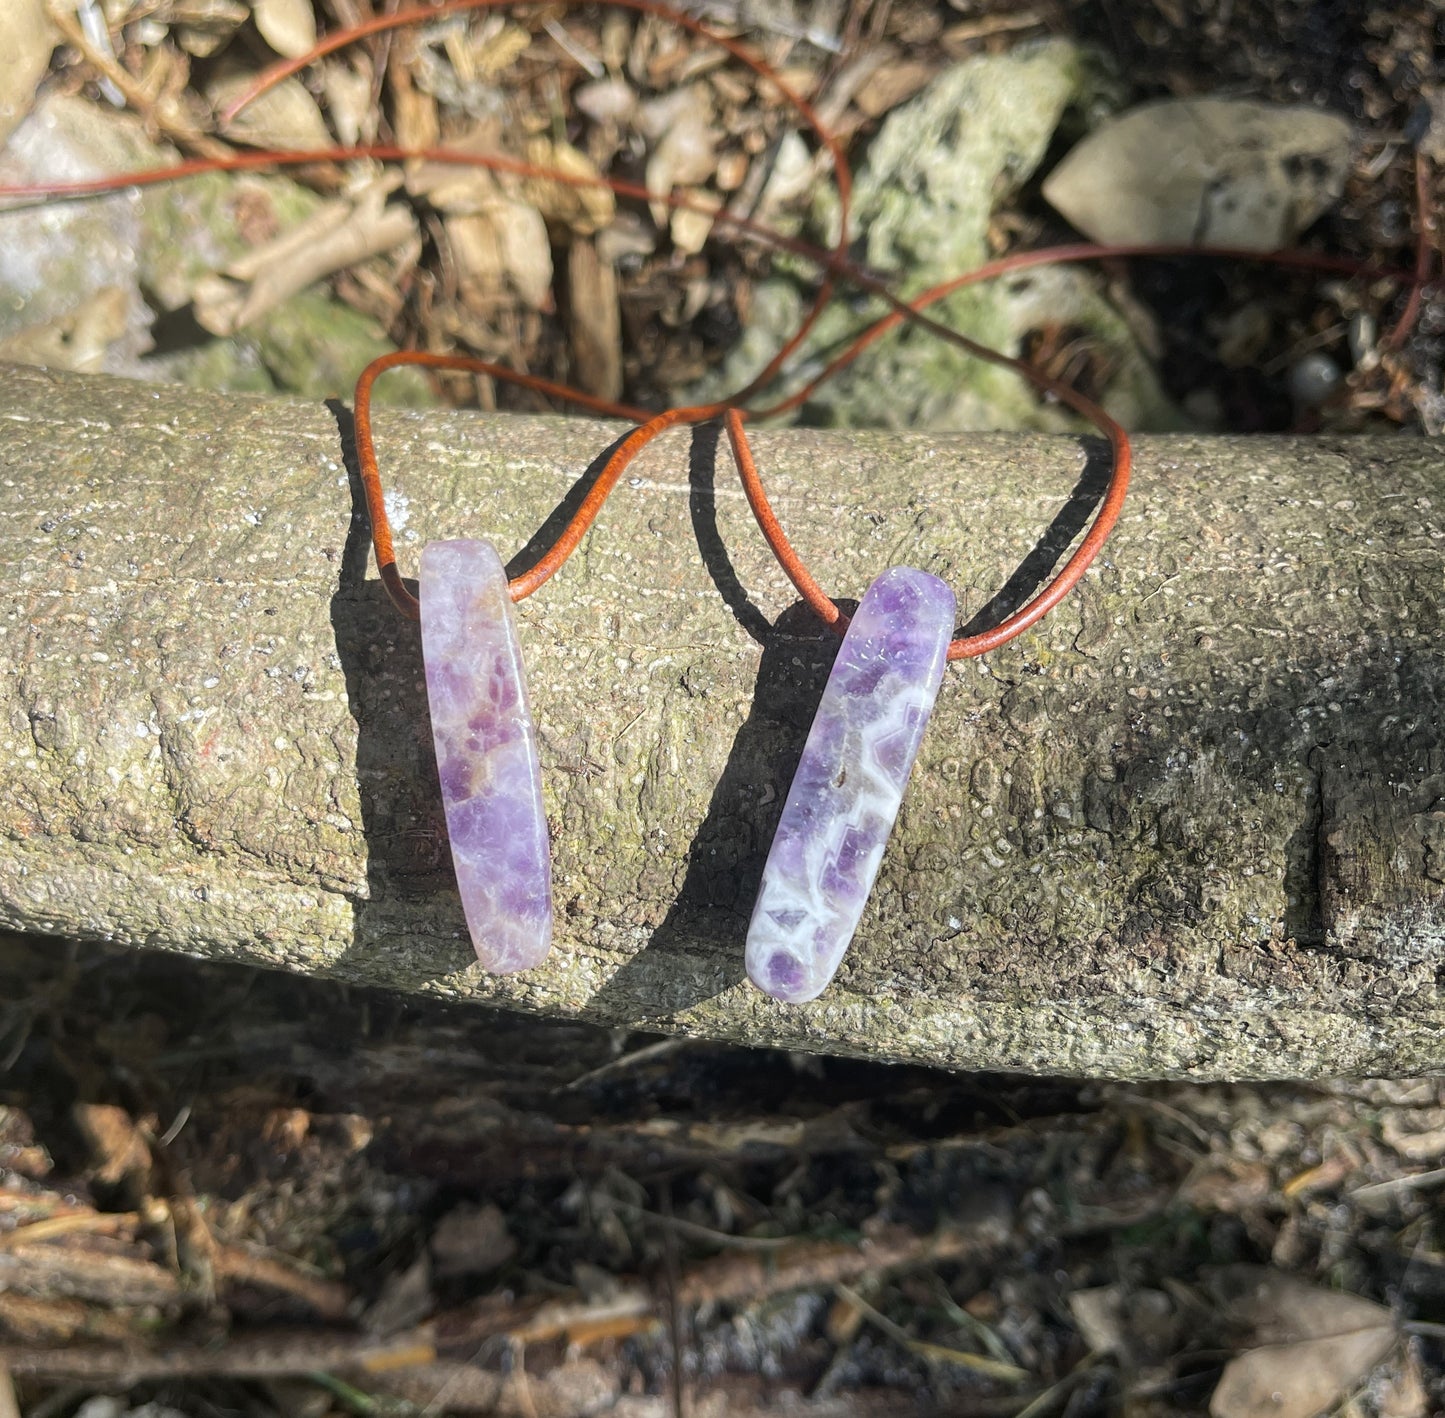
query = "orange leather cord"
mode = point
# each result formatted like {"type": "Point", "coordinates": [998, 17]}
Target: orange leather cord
{"type": "Point", "coordinates": [965, 646]}
{"type": "Point", "coordinates": [376, 512]}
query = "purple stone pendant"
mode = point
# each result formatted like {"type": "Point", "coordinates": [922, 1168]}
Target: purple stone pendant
{"type": "Point", "coordinates": [849, 784]}
{"type": "Point", "coordinates": [486, 747]}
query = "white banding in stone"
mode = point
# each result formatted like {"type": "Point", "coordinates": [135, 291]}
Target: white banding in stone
{"type": "Point", "coordinates": [849, 783]}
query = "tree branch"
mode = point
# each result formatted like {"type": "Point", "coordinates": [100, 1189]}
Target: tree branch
{"type": "Point", "coordinates": [1193, 824]}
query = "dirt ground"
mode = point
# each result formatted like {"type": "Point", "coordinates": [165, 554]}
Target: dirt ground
{"type": "Point", "coordinates": [228, 1191]}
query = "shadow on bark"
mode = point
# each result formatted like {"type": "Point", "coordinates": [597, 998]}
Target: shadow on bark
{"type": "Point", "coordinates": [704, 929]}
{"type": "Point", "coordinates": [411, 912]}
{"type": "Point", "coordinates": [1048, 552]}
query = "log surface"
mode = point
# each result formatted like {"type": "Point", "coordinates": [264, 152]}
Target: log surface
{"type": "Point", "coordinates": [1193, 824]}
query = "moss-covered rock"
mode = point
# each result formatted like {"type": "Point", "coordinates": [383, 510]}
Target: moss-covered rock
{"type": "Point", "coordinates": [315, 346]}
{"type": "Point", "coordinates": [152, 245]}
{"type": "Point", "coordinates": [923, 200]}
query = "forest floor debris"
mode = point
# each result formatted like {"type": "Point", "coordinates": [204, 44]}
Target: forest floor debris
{"type": "Point", "coordinates": [633, 298]}
{"type": "Point", "coordinates": [214, 1179]}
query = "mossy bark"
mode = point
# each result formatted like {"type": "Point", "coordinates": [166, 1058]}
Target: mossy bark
{"type": "Point", "coordinates": [1191, 825]}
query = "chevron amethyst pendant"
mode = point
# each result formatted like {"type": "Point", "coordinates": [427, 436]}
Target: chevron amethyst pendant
{"type": "Point", "coordinates": [849, 785]}
{"type": "Point", "coordinates": [486, 748]}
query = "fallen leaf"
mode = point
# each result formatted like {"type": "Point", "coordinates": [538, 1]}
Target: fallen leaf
{"type": "Point", "coordinates": [790, 174]}
{"type": "Point", "coordinates": [22, 1154]}
{"type": "Point", "coordinates": [1323, 1176]}
{"type": "Point", "coordinates": [286, 117]}
{"type": "Point", "coordinates": [501, 51]}
{"type": "Point", "coordinates": [627, 237]}
{"type": "Point", "coordinates": [288, 26]}
{"type": "Point", "coordinates": [1417, 1135]}
{"type": "Point", "coordinates": [415, 118]}
{"type": "Point", "coordinates": [1138, 1325]}
{"type": "Point", "coordinates": [77, 340]}
{"type": "Point", "coordinates": [605, 100]}
{"type": "Point", "coordinates": [691, 226]}
{"type": "Point", "coordinates": [1272, 1307]}
{"type": "Point", "coordinates": [472, 1240]}
{"type": "Point", "coordinates": [1312, 1345]}
{"type": "Point", "coordinates": [478, 257]}
{"type": "Point", "coordinates": [338, 235]}
{"type": "Point", "coordinates": [503, 246]}
{"type": "Point", "coordinates": [348, 100]}
{"type": "Point", "coordinates": [732, 171]}
{"type": "Point", "coordinates": [24, 57]}
{"type": "Point", "coordinates": [526, 253]}
{"type": "Point", "coordinates": [1234, 1185]}
{"type": "Point", "coordinates": [1298, 1380]}
{"type": "Point", "coordinates": [405, 1300]}
{"type": "Point", "coordinates": [892, 84]}
{"type": "Point", "coordinates": [850, 78]}
{"type": "Point", "coordinates": [118, 1152]}
{"type": "Point", "coordinates": [1099, 1317]}
{"type": "Point", "coordinates": [1404, 1394]}
{"type": "Point", "coordinates": [454, 188]}
{"type": "Point", "coordinates": [202, 28]}
{"type": "Point", "coordinates": [1204, 171]}
{"type": "Point", "coordinates": [686, 151]}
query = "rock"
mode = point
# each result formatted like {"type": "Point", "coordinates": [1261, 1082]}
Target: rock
{"type": "Point", "coordinates": [915, 380]}
{"type": "Point", "coordinates": [1206, 171]}
{"type": "Point", "coordinates": [923, 202]}
{"type": "Point", "coordinates": [1312, 379]}
{"type": "Point", "coordinates": [942, 161]}
{"type": "Point", "coordinates": [849, 783]}
{"type": "Point", "coordinates": [30, 36]}
{"type": "Point", "coordinates": [141, 252]}
{"type": "Point", "coordinates": [315, 346]}
{"type": "Point", "coordinates": [55, 259]}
